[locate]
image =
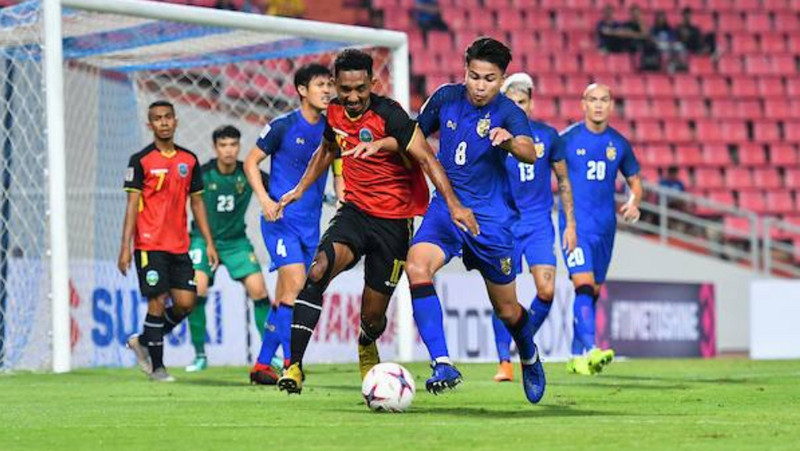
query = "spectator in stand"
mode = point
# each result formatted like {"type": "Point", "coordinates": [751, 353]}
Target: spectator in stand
{"type": "Point", "coordinates": [666, 39]}
{"type": "Point", "coordinates": [635, 29]}
{"type": "Point", "coordinates": [609, 38]}
{"type": "Point", "coordinates": [694, 40]}
{"type": "Point", "coordinates": [429, 16]}
{"type": "Point", "coordinates": [286, 8]}
{"type": "Point", "coordinates": [672, 180]}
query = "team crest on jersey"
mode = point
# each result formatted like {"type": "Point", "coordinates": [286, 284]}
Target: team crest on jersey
{"type": "Point", "coordinates": [239, 185]}
{"type": "Point", "coordinates": [253, 258]}
{"type": "Point", "coordinates": [451, 125]}
{"type": "Point", "coordinates": [365, 135]}
{"type": "Point", "coordinates": [483, 126]}
{"type": "Point", "coordinates": [505, 265]}
{"type": "Point", "coordinates": [183, 169]}
{"type": "Point", "coordinates": [539, 147]}
{"type": "Point", "coordinates": [300, 141]}
{"type": "Point", "coordinates": [212, 186]}
{"type": "Point", "coordinates": [611, 152]}
{"type": "Point", "coordinates": [581, 152]}
{"type": "Point", "coordinates": [151, 277]}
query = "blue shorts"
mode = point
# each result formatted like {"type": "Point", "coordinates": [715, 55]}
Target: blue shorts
{"type": "Point", "coordinates": [592, 254]}
{"type": "Point", "coordinates": [286, 245]}
{"type": "Point", "coordinates": [536, 240]}
{"type": "Point", "coordinates": [491, 252]}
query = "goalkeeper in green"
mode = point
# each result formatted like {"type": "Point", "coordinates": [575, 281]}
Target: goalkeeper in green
{"type": "Point", "coordinates": [227, 196]}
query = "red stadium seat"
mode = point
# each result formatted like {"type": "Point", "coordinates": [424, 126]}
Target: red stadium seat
{"type": "Point", "coordinates": [752, 155]}
{"type": "Point", "coordinates": [550, 85]}
{"type": "Point", "coordinates": [730, 22]}
{"type": "Point", "coordinates": [688, 155]}
{"type": "Point", "coordinates": [780, 202]}
{"type": "Point", "coordinates": [510, 20]}
{"type": "Point", "coordinates": [566, 63]}
{"type": "Point", "coordinates": [694, 4]}
{"type": "Point", "coordinates": [686, 86]}
{"type": "Point", "coordinates": [767, 178]}
{"type": "Point", "coordinates": [692, 108]}
{"type": "Point", "coordinates": [757, 22]}
{"type": "Point", "coordinates": [787, 22]}
{"type": "Point", "coordinates": [701, 65]}
{"type": "Point", "coordinates": [724, 109]}
{"type": "Point", "coordinates": [584, 41]}
{"type": "Point", "coordinates": [777, 109]}
{"type": "Point", "coordinates": [719, 5]}
{"type": "Point", "coordinates": [737, 228]}
{"type": "Point", "coordinates": [716, 155]}
{"type": "Point", "coordinates": [734, 131]}
{"type": "Point", "coordinates": [744, 87]}
{"type": "Point", "coordinates": [772, 43]}
{"type": "Point", "coordinates": [665, 108]}
{"type": "Point", "coordinates": [648, 131]}
{"type": "Point", "coordinates": [748, 5]}
{"type": "Point", "coordinates": [638, 109]}
{"type": "Point", "coordinates": [749, 109]}
{"type": "Point", "coordinates": [575, 85]}
{"type": "Point", "coordinates": [794, 108]}
{"type": "Point", "coordinates": [745, 42]}
{"type": "Point", "coordinates": [678, 131]}
{"type": "Point", "coordinates": [545, 109]}
{"type": "Point", "coordinates": [783, 65]}
{"type": "Point", "coordinates": [551, 40]}
{"type": "Point", "coordinates": [708, 131]}
{"type": "Point", "coordinates": [659, 86]}
{"type": "Point", "coordinates": [791, 131]}
{"type": "Point", "coordinates": [794, 42]}
{"type": "Point", "coordinates": [793, 85]}
{"type": "Point", "coordinates": [595, 63]}
{"type": "Point", "coordinates": [655, 156]}
{"type": "Point", "coordinates": [766, 132]}
{"type": "Point", "coordinates": [783, 155]}
{"type": "Point", "coordinates": [662, 4]}
{"type": "Point", "coordinates": [753, 201]}
{"type": "Point", "coordinates": [708, 178]}
{"type": "Point", "coordinates": [791, 179]}
{"type": "Point", "coordinates": [632, 86]}
{"type": "Point", "coordinates": [650, 174]}
{"type": "Point", "coordinates": [771, 87]}
{"type": "Point", "coordinates": [757, 65]}
{"type": "Point", "coordinates": [620, 64]}
{"type": "Point", "coordinates": [480, 20]}
{"type": "Point", "coordinates": [456, 18]}
{"type": "Point", "coordinates": [776, 5]}
{"type": "Point", "coordinates": [715, 87]}
{"type": "Point", "coordinates": [738, 178]}
{"type": "Point", "coordinates": [722, 197]}
{"type": "Point", "coordinates": [730, 65]}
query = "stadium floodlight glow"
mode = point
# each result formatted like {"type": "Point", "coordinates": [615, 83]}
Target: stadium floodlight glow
{"type": "Point", "coordinates": [78, 77]}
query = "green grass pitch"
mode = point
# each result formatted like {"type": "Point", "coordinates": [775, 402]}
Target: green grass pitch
{"type": "Point", "coordinates": [639, 404]}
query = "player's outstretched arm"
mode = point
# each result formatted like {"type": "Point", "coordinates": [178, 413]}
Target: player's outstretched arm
{"type": "Point", "coordinates": [320, 162]}
{"type": "Point", "coordinates": [251, 170]}
{"type": "Point", "coordinates": [422, 152]}
{"type": "Point", "coordinates": [201, 218]}
{"type": "Point", "coordinates": [570, 239]}
{"type": "Point", "coordinates": [630, 210]}
{"type": "Point", "coordinates": [128, 227]}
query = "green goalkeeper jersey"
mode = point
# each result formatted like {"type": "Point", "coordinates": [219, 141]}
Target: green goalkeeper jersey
{"type": "Point", "coordinates": [227, 197]}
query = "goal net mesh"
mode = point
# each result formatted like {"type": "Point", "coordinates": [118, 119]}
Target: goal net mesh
{"type": "Point", "coordinates": [114, 66]}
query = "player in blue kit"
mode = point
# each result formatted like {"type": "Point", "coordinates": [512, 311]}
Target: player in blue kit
{"type": "Point", "coordinates": [534, 235]}
{"type": "Point", "coordinates": [290, 140]}
{"type": "Point", "coordinates": [478, 128]}
{"type": "Point", "coordinates": [594, 153]}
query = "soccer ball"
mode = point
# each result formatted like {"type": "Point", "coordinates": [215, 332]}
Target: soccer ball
{"type": "Point", "coordinates": [388, 387]}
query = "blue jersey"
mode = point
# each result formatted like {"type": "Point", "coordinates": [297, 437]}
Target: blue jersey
{"type": "Point", "coordinates": [475, 168]}
{"type": "Point", "coordinates": [530, 183]}
{"type": "Point", "coordinates": [593, 160]}
{"type": "Point", "coordinates": [290, 140]}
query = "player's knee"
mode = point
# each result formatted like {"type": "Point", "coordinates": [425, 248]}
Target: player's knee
{"type": "Point", "coordinates": [418, 271]}
{"type": "Point", "coordinates": [373, 323]}
{"type": "Point", "coordinates": [320, 270]}
{"type": "Point", "coordinates": [545, 291]}
{"type": "Point", "coordinates": [507, 312]}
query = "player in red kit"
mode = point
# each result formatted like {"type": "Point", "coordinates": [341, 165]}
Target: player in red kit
{"type": "Point", "coordinates": [158, 180]}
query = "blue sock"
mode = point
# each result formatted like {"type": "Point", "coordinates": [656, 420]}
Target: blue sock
{"type": "Point", "coordinates": [577, 344]}
{"type": "Point", "coordinates": [539, 312]}
{"type": "Point", "coordinates": [522, 331]}
{"type": "Point", "coordinates": [583, 310]}
{"type": "Point", "coordinates": [502, 339]}
{"type": "Point", "coordinates": [271, 339]}
{"type": "Point", "coordinates": [428, 316]}
{"type": "Point", "coordinates": [284, 322]}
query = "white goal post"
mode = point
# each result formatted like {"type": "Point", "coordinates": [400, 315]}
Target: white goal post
{"type": "Point", "coordinates": [66, 52]}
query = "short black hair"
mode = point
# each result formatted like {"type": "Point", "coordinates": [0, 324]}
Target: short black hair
{"type": "Point", "coordinates": [304, 75]}
{"type": "Point", "coordinates": [225, 131]}
{"type": "Point", "coordinates": [352, 59]}
{"type": "Point", "coordinates": [490, 50]}
{"type": "Point", "coordinates": [159, 103]}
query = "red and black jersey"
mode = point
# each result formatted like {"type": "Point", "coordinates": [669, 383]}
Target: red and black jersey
{"type": "Point", "coordinates": [388, 184]}
{"type": "Point", "coordinates": [164, 181]}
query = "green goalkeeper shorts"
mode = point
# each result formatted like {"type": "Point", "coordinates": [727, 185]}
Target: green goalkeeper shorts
{"type": "Point", "coordinates": [237, 255]}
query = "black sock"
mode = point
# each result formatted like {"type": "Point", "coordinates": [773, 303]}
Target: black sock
{"type": "Point", "coordinates": [172, 318]}
{"type": "Point", "coordinates": [153, 338]}
{"type": "Point", "coordinates": [307, 309]}
{"type": "Point", "coordinates": [368, 334]}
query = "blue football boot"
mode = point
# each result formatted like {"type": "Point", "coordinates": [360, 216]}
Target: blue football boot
{"type": "Point", "coordinates": [444, 376]}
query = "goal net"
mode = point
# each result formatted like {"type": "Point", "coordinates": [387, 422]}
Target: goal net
{"type": "Point", "coordinates": [217, 67]}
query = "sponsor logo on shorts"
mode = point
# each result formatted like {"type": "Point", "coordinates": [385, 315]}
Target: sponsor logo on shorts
{"type": "Point", "coordinates": [365, 135]}
{"type": "Point", "coordinates": [505, 265]}
{"type": "Point", "coordinates": [151, 277]}
{"type": "Point", "coordinates": [183, 169]}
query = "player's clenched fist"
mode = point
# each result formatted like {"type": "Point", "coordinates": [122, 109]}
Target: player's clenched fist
{"type": "Point", "coordinates": [465, 220]}
{"type": "Point", "coordinates": [270, 210]}
{"type": "Point", "coordinates": [124, 261]}
{"type": "Point", "coordinates": [290, 196]}
{"type": "Point", "coordinates": [499, 135]}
